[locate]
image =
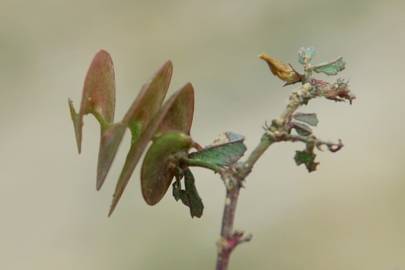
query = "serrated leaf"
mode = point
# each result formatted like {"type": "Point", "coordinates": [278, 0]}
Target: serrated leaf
{"type": "Point", "coordinates": [306, 158]}
{"type": "Point", "coordinates": [305, 55]}
{"type": "Point", "coordinates": [309, 118]}
{"type": "Point", "coordinates": [331, 68]}
{"type": "Point", "coordinates": [302, 129]}
{"type": "Point", "coordinates": [136, 150]}
{"type": "Point", "coordinates": [223, 153]}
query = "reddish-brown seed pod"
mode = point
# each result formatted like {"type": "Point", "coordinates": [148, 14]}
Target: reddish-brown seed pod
{"type": "Point", "coordinates": [175, 115]}
{"type": "Point", "coordinates": [137, 119]}
{"type": "Point", "coordinates": [98, 96]}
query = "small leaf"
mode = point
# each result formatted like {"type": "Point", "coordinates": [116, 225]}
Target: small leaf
{"type": "Point", "coordinates": [331, 68]}
{"type": "Point", "coordinates": [305, 55]}
{"type": "Point", "coordinates": [158, 168]}
{"type": "Point", "coordinates": [176, 192]}
{"type": "Point", "coordinates": [189, 196]}
{"type": "Point", "coordinates": [194, 201]}
{"type": "Point", "coordinates": [302, 129]}
{"type": "Point", "coordinates": [307, 158]}
{"type": "Point", "coordinates": [309, 118]}
{"type": "Point", "coordinates": [224, 151]}
{"type": "Point", "coordinates": [227, 137]}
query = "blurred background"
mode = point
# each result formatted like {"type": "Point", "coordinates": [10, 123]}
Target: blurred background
{"type": "Point", "coordinates": [349, 215]}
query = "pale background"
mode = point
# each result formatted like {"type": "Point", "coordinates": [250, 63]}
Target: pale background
{"type": "Point", "coordinates": [349, 215]}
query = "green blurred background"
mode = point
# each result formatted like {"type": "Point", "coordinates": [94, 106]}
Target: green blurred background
{"type": "Point", "coordinates": [348, 215]}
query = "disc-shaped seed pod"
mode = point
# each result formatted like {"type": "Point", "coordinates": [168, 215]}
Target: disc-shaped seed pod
{"type": "Point", "coordinates": [137, 119]}
{"type": "Point", "coordinates": [159, 164]}
{"type": "Point", "coordinates": [98, 96]}
{"type": "Point", "coordinates": [175, 115]}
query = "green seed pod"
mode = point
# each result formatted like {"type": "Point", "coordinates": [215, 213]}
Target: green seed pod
{"type": "Point", "coordinates": [159, 166]}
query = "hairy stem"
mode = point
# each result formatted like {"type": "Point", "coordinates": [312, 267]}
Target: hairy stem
{"type": "Point", "coordinates": [233, 179]}
{"type": "Point", "coordinates": [278, 131]}
{"type": "Point", "coordinates": [246, 167]}
{"type": "Point", "coordinates": [225, 246]}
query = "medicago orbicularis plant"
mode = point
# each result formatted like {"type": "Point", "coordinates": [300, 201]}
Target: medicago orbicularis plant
{"type": "Point", "coordinates": [165, 127]}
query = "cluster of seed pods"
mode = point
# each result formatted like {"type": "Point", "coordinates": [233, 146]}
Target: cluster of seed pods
{"type": "Point", "coordinates": [149, 119]}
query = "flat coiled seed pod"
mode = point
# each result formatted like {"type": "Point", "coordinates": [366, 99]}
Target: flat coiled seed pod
{"type": "Point", "coordinates": [137, 119]}
{"type": "Point", "coordinates": [159, 167]}
{"type": "Point", "coordinates": [98, 96]}
{"type": "Point", "coordinates": [176, 114]}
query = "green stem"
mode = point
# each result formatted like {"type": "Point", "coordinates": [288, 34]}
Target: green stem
{"type": "Point", "coordinates": [247, 166]}
{"type": "Point", "coordinates": [103, 123]}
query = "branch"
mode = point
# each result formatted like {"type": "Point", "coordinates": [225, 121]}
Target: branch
{"type": "Point", "coordinates": [332, 147]}
{"type": "Point", "coordinates": [278, 131]}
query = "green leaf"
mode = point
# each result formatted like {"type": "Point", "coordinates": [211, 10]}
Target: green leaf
{"type": "Point", "coordinates": [307, 158]}
{"type": "Point", "coordinates": [305, 55]}
{"type": "Point", "coordinates": [189, 196]}
{"type": "Point", "coordinates": [195, 203]}
{"type": "Point", "coordinates": [302, 129]}
{"type": "Point", "coordinates": [309, 118]}
{"type": "Point", "coordinates": [223, 152]}
{"type": "Point", "coordinates": [331, 68]}
{"type": "Point", "coordinates": [176, 192]}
